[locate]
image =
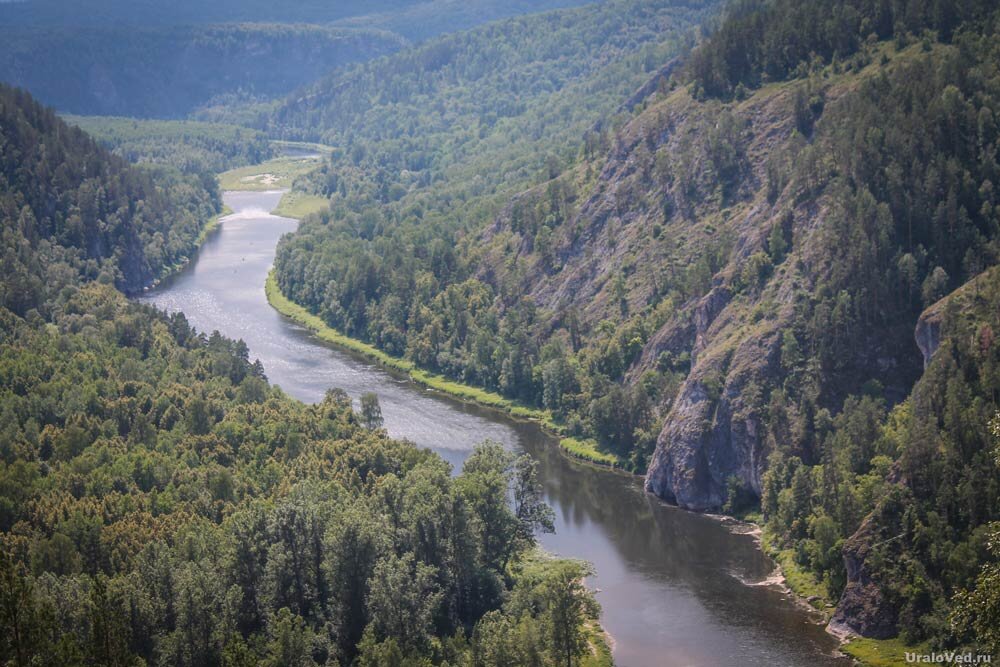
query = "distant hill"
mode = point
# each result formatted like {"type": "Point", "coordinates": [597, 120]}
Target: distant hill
{"type": "Point", "coordinates": [166, 72]}
{"type": "Point", "coordinates": [103, 13]}
{"type": "Point", "coordinates": [188, 145]}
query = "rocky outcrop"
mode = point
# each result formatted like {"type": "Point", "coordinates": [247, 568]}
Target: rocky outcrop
{"type": "Point", "coordinates": [863, 608]}
{"type": "Point", "coordinates": [928, 331]}
{"type": "Point", "coordinates": [713, 431]}
{"type": "Point", "coordinates": [661, 78]}
{"type": "Point", "coordinates": [928, 335]}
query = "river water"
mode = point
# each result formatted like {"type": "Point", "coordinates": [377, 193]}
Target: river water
{"type": "Point", "coordinates": [677, 589]}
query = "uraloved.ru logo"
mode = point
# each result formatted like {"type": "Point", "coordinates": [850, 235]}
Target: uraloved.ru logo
{"type": "Point", "coordinates": [948, 658]}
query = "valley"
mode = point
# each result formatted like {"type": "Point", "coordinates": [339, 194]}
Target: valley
{"type": "Point", "coordinates": [539, 333]}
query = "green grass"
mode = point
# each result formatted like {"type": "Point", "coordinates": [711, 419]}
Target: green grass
{"type": "Point", "coordinates": [869, 652]}
{"type": "Point", "coordinates": [587, 450]}
{"type": "Point", "coordinates": [881, 652]}
{"type": "Point", "coordinates": [583, 450]}
{"type": "Point", "coordinates": [211, 226]}
{"type": "Point", "coordinates": [295, 204]}
{"type": "Point", "coordinates": [799, 580]}
{"type": "Point", "coordinates": [277, 174]}
{"type": "Point", "coordinates": [599, 652]}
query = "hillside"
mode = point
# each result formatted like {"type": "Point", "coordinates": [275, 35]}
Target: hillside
{"type": "Point", "coordinates": [168, 72]}
{"type": "Point", "coordinates": [187, 145]}
{"type": "Point", "coordinates": [77, 212]}
{"type": "Point", "coordinates": [752, 261]}
{"type": "Point", "coordinates": [432, 143]}
{"type": "Point", "coordinates": [187, 12]}
{"type": "Point", "coordinates": [428, 19]}
{"type": "Point", "coordinates": [161, 503]}
{"type": "Point", "coordinates": [721, 286]}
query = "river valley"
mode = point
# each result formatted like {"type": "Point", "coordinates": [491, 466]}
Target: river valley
{"type": "Point", "coordinates": [677, 588]}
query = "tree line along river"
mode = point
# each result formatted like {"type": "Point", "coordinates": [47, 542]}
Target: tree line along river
{"type": "Point", "coordinates": [677, 589]}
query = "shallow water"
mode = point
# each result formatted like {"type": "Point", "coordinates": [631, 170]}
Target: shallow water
{"type": "Point", "coordinates": [677, 589]}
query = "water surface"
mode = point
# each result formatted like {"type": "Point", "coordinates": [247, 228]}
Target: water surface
{"type": "Point", "coordinates": [677, 589]}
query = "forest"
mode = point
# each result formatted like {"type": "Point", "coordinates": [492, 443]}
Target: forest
{"type": "Point", "coordinates": [161, 503]}
{"type": "Point", "coordinates": [593, 291]}
{"type": "Point", "coordinates": [170, 71]}
{"type": "Point", "coordinates": [746, 250]}
{"type": "Point", "coordinates": [190, 146]}
{"type": "Point", "coordinates": [74, 212]}
{"type": "Point", "coordinates": [382, 265]}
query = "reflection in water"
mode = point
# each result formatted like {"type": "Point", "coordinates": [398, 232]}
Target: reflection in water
{"type": "Point", "coordinates": [671, 582]}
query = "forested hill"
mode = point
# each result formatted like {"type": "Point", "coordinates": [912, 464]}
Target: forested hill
{"type": "Point", "coordinates": [160, 503]}
{"type": "Point", "coordinates": [72, 211]}
{"type": "Point", "coordinates": [168, 72]}
{"type": "Point", "coordinates": [168, 59]}
{"type": "Point", "coordinates": [433, 140]}
{"type": "Point", "coordinates": [187, 145]}
{"type": "Point", "coordinates": [188, 12]}
{"type": "Point", "coordinates": [413, 19]}
{"type": "Point", "coordinates": [722, 288]}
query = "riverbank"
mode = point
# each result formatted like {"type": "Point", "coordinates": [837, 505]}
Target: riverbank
{"type": "Point", "coordinates": [277, 173]}
{"type": "Point", "coordinates": [812, 593]}
{"type": "Point", "coordinates": [583, 450]}
{"type": "Point", "coordinates": [206, 230]}
{"type": "Point", "coordinates": [800, 583]}
{"type": "Point", "coordinates": [658, 610]}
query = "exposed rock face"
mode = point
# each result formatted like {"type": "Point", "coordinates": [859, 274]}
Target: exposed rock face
{"type": "Point", "coordinates": [661, 77]}
{"type": "Point", "coordinates": [863, 609]}
{"type": "Point", "coordinates": [928, 334]}
{"type": "Point", "coordinates": [710, 434]}
{"type": "Point", "coordinates": [662, 201]}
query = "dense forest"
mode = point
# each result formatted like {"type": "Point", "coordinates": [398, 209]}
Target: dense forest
{"type": "Point", "coordinates": [409, 183]}
{"type": "Point", "coordinates": [720, 284]}
{"type": "Point", "coordinates": [168, 72]}
{"type": "Point", "coordinates": [190, 146]}
{"type": "Point", "coordinates": [750, 253]}
{"type": "Point", "coordinates": [74, 212]}
{"type": "Point", "coordinates": [412, 18]}
{"type": "Point", "coordinates": [160, 503]}
{"type": "Point", "coordinates": [169, 59]}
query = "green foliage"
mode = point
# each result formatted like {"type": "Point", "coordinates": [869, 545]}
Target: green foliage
{"type": "Point", "coordinates": [393, 262]}
{"type": "Point", "coordinates": [160, 503]}
{"type": "Point", "coordinates": [371, 411]}
{"type": "Point", "coordinates": [414, 19]}
{"type": "Point", "coordinates": [976, 617]}
{"type": "Point", "coordinates": [187, 145]}
{"type": "Point", "coordinates": [768, 41]}
{"type": "Point", "coordinates": [544, 621]}
{"type": "Point", "coordinates": [71, 211]}
{"type": "Point", "coordinates": [170, 71]}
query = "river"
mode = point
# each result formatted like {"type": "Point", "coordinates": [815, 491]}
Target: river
{"type": "Point", "coordinates": [677, 589]}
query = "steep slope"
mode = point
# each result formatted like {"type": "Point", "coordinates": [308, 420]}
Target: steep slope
{"type": "Point", "coordinates": [721, 287]}
{"type": "Point", "coordinates": [755, 256]}
{"type": "Point", "coordinates": [73, 211]}
{"type": "Point", "coordinates": [432, 143]}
